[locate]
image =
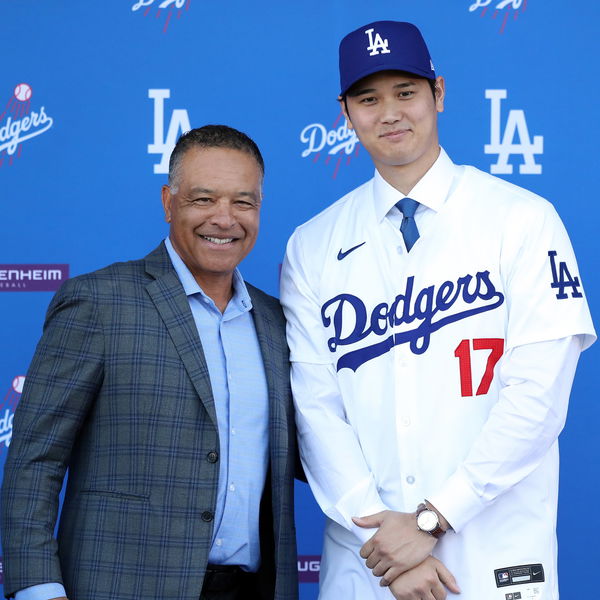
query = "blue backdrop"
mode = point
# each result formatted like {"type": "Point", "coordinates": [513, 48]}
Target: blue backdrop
{"type": "Point", "coordinates": [93, 95]}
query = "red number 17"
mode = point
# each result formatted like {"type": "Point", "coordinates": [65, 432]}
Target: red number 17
{"type": "Point", "coordinates": [463, 353]}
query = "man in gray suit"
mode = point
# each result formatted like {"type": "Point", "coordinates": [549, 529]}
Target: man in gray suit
{"type": "Point", "coordinates": [162, 385]}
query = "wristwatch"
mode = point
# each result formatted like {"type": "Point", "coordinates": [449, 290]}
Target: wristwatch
{"type": "Point", "coordinates": [428, 521]}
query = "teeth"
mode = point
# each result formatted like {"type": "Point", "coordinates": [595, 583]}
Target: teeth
{"type": "Point", "coordinates": [215, 240]}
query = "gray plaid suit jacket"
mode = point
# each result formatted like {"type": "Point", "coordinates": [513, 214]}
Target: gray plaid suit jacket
{"type": "Point", "coordinates": [118, 392]}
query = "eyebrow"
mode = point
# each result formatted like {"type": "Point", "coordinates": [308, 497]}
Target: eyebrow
{"type": "Point", "coordinates": [202, 190]}
{"type": "Point", "coordinates": [361, 91]}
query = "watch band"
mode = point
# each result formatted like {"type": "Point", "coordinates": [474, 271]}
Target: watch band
{"type": "Point", "coordinates": [437, 532]}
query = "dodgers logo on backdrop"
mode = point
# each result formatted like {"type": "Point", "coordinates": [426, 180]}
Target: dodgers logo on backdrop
{"type": "Point", "coordinates": [338, 140]}
{"type": "Point", "coordinates": [7, 412]}
{"type": "Point", "coordinates": [504, 8]}
{"type": "Point", "coordinates": [179, 122]}
{"type": "Point", "coordinates": [353, 323]}
{"type": "Point", "coordinates": [514, 140]}
{"type": "Point", "coordinates": [32, 278]}
{"type": "Point", "coordinates": [174, 7]}
{"type": "Point", "coordinates": [20, 123]}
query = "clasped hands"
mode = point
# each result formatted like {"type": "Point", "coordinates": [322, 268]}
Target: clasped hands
{"type": "Point", "coordinates": [401, 555]}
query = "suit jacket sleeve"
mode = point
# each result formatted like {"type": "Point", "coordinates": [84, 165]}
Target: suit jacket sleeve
{"type": "Point", "coordinates": [59, 391]}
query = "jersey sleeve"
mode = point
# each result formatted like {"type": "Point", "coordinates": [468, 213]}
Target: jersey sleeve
{"type": "Point", "coordinates": [330, 451]}
{"type": "Point", "coordinates": [544, 291]}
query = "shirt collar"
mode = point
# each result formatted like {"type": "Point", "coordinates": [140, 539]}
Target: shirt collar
{"type": "Point", "coordinates": [431, 190]}
{"type": "Point", "coordinates": [240, 299]}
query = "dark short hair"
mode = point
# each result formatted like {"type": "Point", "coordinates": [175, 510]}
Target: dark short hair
{"type": "Point", "coordinates": [212, 136]}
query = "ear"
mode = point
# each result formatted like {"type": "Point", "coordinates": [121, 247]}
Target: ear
{"type": "Point", "coordinates": [345, 111]}
{"type": "Point", "coordinates": [440, 93]}
{"type": "Point", "coordinates": [166, 196]}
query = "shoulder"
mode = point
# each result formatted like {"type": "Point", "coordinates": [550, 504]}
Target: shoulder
{"type": "Point", "coordinates": [107, 285]}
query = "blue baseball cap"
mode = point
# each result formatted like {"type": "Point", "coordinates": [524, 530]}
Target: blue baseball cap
{"type": "Point", "coordinates": [383, 46]}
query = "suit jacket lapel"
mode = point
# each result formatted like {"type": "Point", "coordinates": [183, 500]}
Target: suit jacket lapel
{"type": "Point", "coordinates": [172, 304]}
{"type": "Point", "coordinates": [268, 334]}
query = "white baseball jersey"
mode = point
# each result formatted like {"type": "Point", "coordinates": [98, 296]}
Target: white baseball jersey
{"type": "Point", "coordinates": [443, 373]}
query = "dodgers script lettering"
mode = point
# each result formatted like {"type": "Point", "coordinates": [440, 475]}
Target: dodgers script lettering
{"type": "Point", "coordinates": [316, 136]}
{"type": "Point", "coordinates": [352, 322]}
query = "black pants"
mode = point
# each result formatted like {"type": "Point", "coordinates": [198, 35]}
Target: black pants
{"type": "Point", "coordinates": [229, 583]}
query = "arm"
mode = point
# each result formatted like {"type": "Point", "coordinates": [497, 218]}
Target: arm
{"type": "Point", "coordinates": [333, 461]}
{"type": "Point", "coordinates": [531, 410]}
{"type": "Point", "coordinates": [61, 385]}
{"type": "Point", "coordinates": [330, 451]}
{"type": "Point", "coordinates": [548, 327]}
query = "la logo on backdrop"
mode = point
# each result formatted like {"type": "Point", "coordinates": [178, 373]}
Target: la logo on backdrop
{"type": "Point", "coordinates": [505, 144]}
{"type": "Point", "coordinates": [505, 9]}
{"type": "Point", "coordinates": [179, 122]}
{"type": "Point", "coordinates": [19, 122]}
{"type": "Point", "coordinates": [169, 7]}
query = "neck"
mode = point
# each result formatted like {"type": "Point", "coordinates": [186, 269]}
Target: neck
{"type": "Point", "coordinates": [405, 177]}
{"type": "Point", "coordinates": [219, 290]}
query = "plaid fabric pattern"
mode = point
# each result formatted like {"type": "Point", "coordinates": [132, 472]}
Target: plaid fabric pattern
{"type": "Point", "coordinates": [118, 392]}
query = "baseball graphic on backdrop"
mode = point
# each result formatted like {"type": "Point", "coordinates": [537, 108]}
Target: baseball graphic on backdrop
{"type": "Point", "coordinates": [23, 92]}
{"type": "Point", "coordinates": [17, 383]}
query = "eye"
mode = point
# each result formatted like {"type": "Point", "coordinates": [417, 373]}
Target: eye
{"type": "Point", "coordinates": [244, 203]}
{"type": "Point", "coordinates": [406, 93]}
{"type": "Point", "coordinates": [368, 100]}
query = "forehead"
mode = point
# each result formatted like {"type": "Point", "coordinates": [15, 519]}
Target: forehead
{"type": "Point", "coordinates": [200, 164]}
{"type": "Point", "coordinates": [384, 79]}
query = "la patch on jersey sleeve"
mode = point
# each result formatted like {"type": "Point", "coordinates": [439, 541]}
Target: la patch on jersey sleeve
{"type": "Point", "coordinates": [544, 288]}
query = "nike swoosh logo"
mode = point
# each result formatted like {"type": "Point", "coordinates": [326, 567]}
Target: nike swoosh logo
{"type": "Point", "coordinates": [342, 255]}
{"type": "Point", "coordinates": [536, 573]}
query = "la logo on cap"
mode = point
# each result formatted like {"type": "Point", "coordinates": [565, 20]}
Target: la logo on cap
{"type": "Point", "coordinates": [377, 44]}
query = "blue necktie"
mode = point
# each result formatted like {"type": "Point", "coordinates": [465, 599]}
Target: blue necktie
{"type": "Point", "coordinates": [410, 233]}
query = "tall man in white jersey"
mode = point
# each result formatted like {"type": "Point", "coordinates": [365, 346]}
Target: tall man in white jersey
{"type": "Point", "coordinates": [434, 343]}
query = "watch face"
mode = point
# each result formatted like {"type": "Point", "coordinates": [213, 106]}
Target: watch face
{"type": "Point", "coordinates": [427, 521]}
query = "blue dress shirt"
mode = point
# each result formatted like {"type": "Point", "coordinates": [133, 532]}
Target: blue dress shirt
{"type": "Point", "coordinates": [240, 393]}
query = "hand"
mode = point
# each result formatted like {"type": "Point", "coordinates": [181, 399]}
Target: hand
{"type": "Point", "coordinates": [397, 546]}
{"type": "Point", "coordinates": [60, 598]}
{"type": "Point", "coordinates": [427, 581]}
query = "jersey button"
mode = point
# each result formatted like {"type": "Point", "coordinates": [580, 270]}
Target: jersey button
{"type": "Point", "coordinates": [206, 516]}
{"type": "Point", "coordinates": [410, 479]}
{"type": "Point", "coordinates": [212, 457]}
{"type": "Point", "coordinates": [405, 421]}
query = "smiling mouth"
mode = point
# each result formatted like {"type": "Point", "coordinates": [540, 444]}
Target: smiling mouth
{"type": "Point", "coordinates": [216, 240]}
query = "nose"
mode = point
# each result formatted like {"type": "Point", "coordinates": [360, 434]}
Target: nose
{"type": "Point", "coordinates": [222, 215]}
{"type": "Point", "coordinates": [391, 111]}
